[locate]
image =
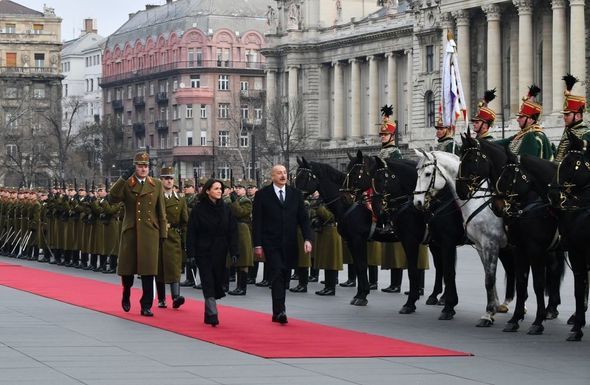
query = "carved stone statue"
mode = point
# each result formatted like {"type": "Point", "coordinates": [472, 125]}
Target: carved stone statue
{"type": "Point", "coordinates": [293, 16]}
{"type": "Point", "coordinates": [271, 16]}
{"type": "Point", "coordinates": [48, 11]}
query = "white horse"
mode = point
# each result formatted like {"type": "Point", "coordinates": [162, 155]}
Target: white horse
{"type": "Point", "coordinates": [438, 169]}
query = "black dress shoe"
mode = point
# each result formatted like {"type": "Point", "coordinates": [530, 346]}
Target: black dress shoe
{"type": "Point", "coordinates": [177, 302]}
{"type": "Point", "coordinates": [313, 279]}
{"type": "Point", "coordinates": [372, 286]}
{"type": "Point", "coordinates": [251, 281]}
{"type": "Point", "coordinates": [280, 318]}
{"type": "Point", "coordinates": [147, 313]}
{"type": "Point", "coordinates": [263, 283]}
{"type": "Point", "coordinates": [295, 277]}
{"type": "Point", "coordinates": [391, 289]}
{"type": "Point", "coordinates": [420, 292]}
{"type": "Point", "coordinates": [198, 286]}
{"type": "Point", "coordinates": [126, 304]}
{"type": "Point", "coordinates": [237, 291]}
{"type": "Point", "coordinates": [162, 304]}
{"type": "Point", "coordinates": [212, 319]}
{"type": "Point", "coordinates": [348, 283]}
{"type": "Point", "coordinates": [187, 283]}
{"type": "Point", "coordinates": [298, 289]}
{"type": "Point", "coordinates": [326, 291]}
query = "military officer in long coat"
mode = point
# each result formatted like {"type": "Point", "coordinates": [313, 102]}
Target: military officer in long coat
{"type": "Point", "coordinates": [143, 229]}
{"type": "Point", "coordinates": [170, 257]}
{"type": "Point", "coordinates": [328, 246]}
{"type": "Point", "coordinates": [573, 117]}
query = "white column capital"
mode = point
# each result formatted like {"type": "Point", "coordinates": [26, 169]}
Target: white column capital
{"type": "Point", "coordinates": [524, 7]}
{"type": "Point", "coordinates": [577, 2]}
{"type": "Point", "coordinates": [293, 67]}
{"type": "Point", "coordinates": [336, 63]}
{"type": "Point", "coordinates": [463, 17]}
{"type": "Point", "coordinates": [390, 55]}
{"type": "Point", "coordinates": [558, 4]}
{"type": "Point", "coordinates": [353, 61]}
{"type": "Point", "coordinates": [493, 12]}
{"type": "Point", "coordinates": [270, 70]}
{"type": "Point", "coordinates": [446, 19]}
{"type": "Point", "coordinates": [370, 58]}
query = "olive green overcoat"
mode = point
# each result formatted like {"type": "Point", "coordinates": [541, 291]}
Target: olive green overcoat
{"type": "Point", "coordinates": [170, 263]}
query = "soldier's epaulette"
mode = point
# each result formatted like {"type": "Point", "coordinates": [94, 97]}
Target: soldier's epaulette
{"type": "Point", "coordinates": [151, 181]}
{"type": "Point", "coordinates": [132, 181]}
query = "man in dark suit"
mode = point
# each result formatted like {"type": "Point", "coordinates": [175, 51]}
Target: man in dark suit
{"type": "Point", "coordinates": [277, 211]}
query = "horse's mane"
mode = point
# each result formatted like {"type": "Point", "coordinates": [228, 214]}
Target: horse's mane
{"type": "Point", "coordinates": [542, 171]}
{"type": "Point", "coordinates": [405, 170]}
{"type": "Point", "coordinates": [325, 171]}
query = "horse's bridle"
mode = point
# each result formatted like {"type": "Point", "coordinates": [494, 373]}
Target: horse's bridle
{"type": "Point", "coordinates": [474, 183]}
{"type": "Point", "coordinates": [347, 185]}
{"type": "Point", "coordinates": [311, 176]}
{"type": "Point", "coordinates": [509, 196]}
{"type": "Point", "coordinates": [428, 194]}
{"type": "Point", "coordinates": [567, 189]}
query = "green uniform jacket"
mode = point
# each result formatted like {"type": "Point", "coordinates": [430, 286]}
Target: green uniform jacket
{"type": "Point", "coordinates": [448, 144]}
{"type": "Point", "coordinates": [242, 210]}
{"type": "Point", "coordinates": [530, 140]}
{"type": "Point", "coordinates": [144, 224]}
{"type": "Point", "coordinates": [580, 130]}
{"type": "Point", "coordinates": [170, 262]}
{"type": "Point", "coordinates": [390, 152]}
{"type": "Point", "coordinates": [328, 243]}
{"type": "Point", "coordinates": [109, 219]}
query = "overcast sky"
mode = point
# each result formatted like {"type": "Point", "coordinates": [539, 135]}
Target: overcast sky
{"type": "Point", "coordinates": [109, 14]}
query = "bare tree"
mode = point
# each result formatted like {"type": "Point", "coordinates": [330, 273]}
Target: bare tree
{"type": "Point", "coordinates": [285, 132]}
{"type": "Point", "coordinates": [103, 139]}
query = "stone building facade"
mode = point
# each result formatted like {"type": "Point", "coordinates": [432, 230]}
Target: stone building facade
{"type": "Point", "coordinates": [186, 81]}
{"type": "Point", "coordinates": [346, 59]}
{"type": "Point", "coordinates": [30, 92]}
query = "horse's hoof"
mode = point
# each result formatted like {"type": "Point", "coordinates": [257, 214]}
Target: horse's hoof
{"type": "Point", "coordinates": [360, 302]}
{"type": "Point", "coordinates": [353, 301]}
{"type": "Point", "coordinates": [407, 309]}
{"type": "Point", "coordinates": [485, 323]}
{"type": "Point", "coordinates": [571, 320]}
{"type": "Point", "coordinates": [446, 315]}
{"type": "Point", "coordinates": [511, 327]}
{"type": "Point", "coordinates": [441, 301]}
{"type": "Point", "coordinates": [432, 300]}
{"type": "Point", "coordinates": [575, 336]}
{"type": "Point", "coordinates": [536, 330]}
{"type": "Point", "coordinates": [551, 313]}
{"type": "Point", "coordinates": [503, 308]}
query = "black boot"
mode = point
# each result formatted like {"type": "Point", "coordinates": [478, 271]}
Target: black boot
{"type": "Point", "coordinates": [396, 281]}
{"type": "Point", "coordinates": [103, 264]}
{"type": "Point", "coordinates": [190, 279]}
{"type": "Point", "coordinates": [161, 293]}
{"type": "Point", "coordinates": [331, 277]}
{"type": "Point", "coordinates": [112, 265]}
{"type": "Point", "coordinates": [373, 277]}
{"type": "Point", "coordinates": [211, 317]}
{"type": "Point", "coordinates": [242, 284]}
{"type": "Point", "coordinates": [177, 299]}
{"type": "Point", "coordinates": [351, 281]}
{"type": "Point", "coordinates": [93, 262]}
{"type": "Point", "coordinates": [313, 275]}
{"type": "Point", "coordinates": [253, 273]}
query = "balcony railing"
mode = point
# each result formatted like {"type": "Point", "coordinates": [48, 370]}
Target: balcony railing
{"type": "Point", "coordinates": [138, 101]}
{"type": "Point", "coordinates": [192, 151]}
{"type": "Point", "coordinates": [162, 97]}
{"type": "Point", "coordinates": [117, 104]}
{"type": "Point", "coordinates": [139, 128]}
{"type": "Point", "coordinates": [253, 94]}
{"type": "Point", "coordinates": [202, 64]}
{"type": "Point", "coordinates": [30, 70]}
{"type": "Point", "coordinates": [162, 125]}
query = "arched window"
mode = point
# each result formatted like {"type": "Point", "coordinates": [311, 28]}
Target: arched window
{"type": "Point", "coordinates": [430, 110]}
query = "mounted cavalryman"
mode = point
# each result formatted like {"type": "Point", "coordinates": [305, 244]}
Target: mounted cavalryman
{"type": "Point", "coordinates": [484, 120]}
{"type": "Point", "coordinates": [389, 150]}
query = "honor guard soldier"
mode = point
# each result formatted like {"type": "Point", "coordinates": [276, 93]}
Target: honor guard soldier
{"type": "Point", "coordinates": [530, 139]}
{"type": "Point", "coordinates": [170, 257]}
{"type": "Point", "coordinates": [191, 200]}
{"type": "Point", "coordinates": [444, 136]}
{"type": "Point", "coordinates": [144, 229]}
{"type": "Point", "coordinates": [241, 207]}
{"type": "Point", "coordinates": [485, 118]}
{"type": "Point", "coordinates": [573, 117]}
{"type": "Point", "coordinates": [387, 135]}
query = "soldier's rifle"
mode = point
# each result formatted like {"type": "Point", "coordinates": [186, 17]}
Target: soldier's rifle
{"type": "Point", "coordinates": [25, 242]}
{"type": "Point", "coordinates": [17, 243]}
{"type": "Point", "coordinates": [12, 237]}
{"type": "Point", "coordinates": [6, 234]}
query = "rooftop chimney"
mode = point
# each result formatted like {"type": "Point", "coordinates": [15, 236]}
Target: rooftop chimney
{"type": "Point", "coordinates": [89, 26]}
{"type": "Point", "coordinates": [150, 6]}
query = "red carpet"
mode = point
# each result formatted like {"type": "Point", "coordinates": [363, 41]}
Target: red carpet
{"type": "Point", "coordinates": [244, 330]}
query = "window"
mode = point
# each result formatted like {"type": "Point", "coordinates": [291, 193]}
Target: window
{"type": "Point", "coordinates": [430, 110]}
{"type": "Point", "coordinates": [10, 28]}
{"type": "Point", "coordinates": [189, 138]}
{"type": "Point", "coordinates": [163, 141]}
{"type": "Point", "coordinates": [92, 85]}
{"type": "Point", "coordinates": [203, 138]}
{"type": "Point", "coordinates": [163, 113]}
{"type": "Point", "coordinates": [244, 139]}
{"type": "Point", "coordinates": [176, 139]}
{"type": "Point", "coordinates": [151, 89]}
{"type": "Point", "coordinates": [109, 96]}
{"type": "Point", "coordinates": [39, 60]}
{"type": "Point", "coordinates": [195, 81]}
{"type": "Point", "coordinates": [243, 86]}
{"type": "Point", "coordinates": [258, 115]}
{"type": "Point", "coordinates": [191, 57]}
{"type": "Point", "coordinates": [11, 121]}
{"type": "Point", "coordinates": [223, 83]}
{"type": "Point", "coordinates": [203, 111]}
{"type": "Point", "coordinates": [10, 59]}
{"type": "Point", "coordinates": [429, 58]}
{"type": "Point", "coordinates": [151, 140]}
{"type": "Point", "coordinates": [37, 29]}
{"type": "Point", "coordinates": [11, 150]}
{"type": "Point", "coordinates": [223, 172]}
{"type": "Point", "coordinates": [174, 85]}
{"type": "Point", "coordinates": [129, 121]}
{"type": "Point", "coordinates": [189, 111]}
{"type": "Point", "coordinates": [141, 141]}
{"type": "Point", "coordinates": [175, 112]}
{"type": "Point", "coordinates": [39, 92]}
{"type": "Point", "coordinates": [151, 115]}
{"type": "Point", "coordinates": [244, 111]}
{"type": "Point", "coordinates": [223, 139]}
{"type": "Point", "coordinates": [139, 90]}
{"type": "Point", "coordinates": [199, 57]}
{"type": "Point", "coordinates": [223, 111]}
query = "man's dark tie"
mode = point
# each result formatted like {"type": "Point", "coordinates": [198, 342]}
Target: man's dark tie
{"type": "Point", "coordinates": [281, 198]}
{"type": "Point", "coordinates": [142, 183]}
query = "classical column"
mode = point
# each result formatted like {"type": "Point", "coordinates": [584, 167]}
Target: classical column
{"type": "Point", "coordinates": [337, 121]}
{"type": "Point", "coordinates": [373, 95]}
{"type": "Point", "coordinates": [463, 50]}
{"type": "Point", "coordinates": [293, 88]}
{"type": "Point", "coordinates": [392, 81]}
{"type": "Point", "coordinates": [547, 63]}
{"type": "Point", "coordinates": [494, 50]}
{"type": "Point", "coordinates": [525, 45]}
{"type": "Point", "coordinates": [578, 44]}
{"type": "Point", "coordinates": [560, 56]}
{"type": "Point", "coordinates": [271, 88]}
{"type": "Point", "coordinates": [355, 98]}
{"type": "Point", "coordinates": [409, 105]}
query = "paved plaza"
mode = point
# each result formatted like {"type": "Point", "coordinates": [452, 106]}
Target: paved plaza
{"type": "Point", "coordinates": [43, 341]}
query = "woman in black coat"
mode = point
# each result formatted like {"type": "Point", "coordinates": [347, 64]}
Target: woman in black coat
{"type": "Point", "coordinates": [212, 236]}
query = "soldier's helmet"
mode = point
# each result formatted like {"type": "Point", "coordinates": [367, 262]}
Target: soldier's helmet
{"type": "Point", "coordinates": [387, 126]}
{"type": "Point", "coordinates": [440, 125]}
{"type": "Point", "coordinates": [167, 172]}
{"type": "Point", "coordinates": [530, 108]}
{"type": "Point", "coordinates": [141, 158]}
{"type": "Point", "coordinates": [250, 183]}
{"type": "Point", "coordinates": [100, 187]}
{"type": "Point", "coordinates": [189, 183]}
{"type": "Point", "coordinates": [240, 183]}
{"type": "Point", "coordinates": [202, 181]}
{"type": "Point", "coordinates": [572, 103]}
{"type": "Point", "coordinates": [485, 113]}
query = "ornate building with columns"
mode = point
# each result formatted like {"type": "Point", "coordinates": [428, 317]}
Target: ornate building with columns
{"type": "Point", "coordinates": [345, 59]}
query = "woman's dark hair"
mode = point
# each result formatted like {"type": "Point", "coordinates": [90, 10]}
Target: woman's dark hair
{"type": "Point", "coordinates": [207, 186]}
